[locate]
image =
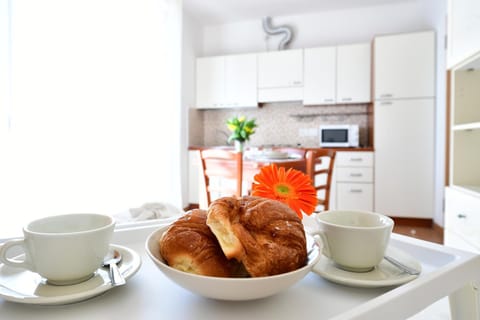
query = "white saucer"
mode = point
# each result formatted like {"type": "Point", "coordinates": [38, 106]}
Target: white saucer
{"type": "Point", "coordinates": [23, 286]}
{"type": "Point", "coordinates": [385, 274]}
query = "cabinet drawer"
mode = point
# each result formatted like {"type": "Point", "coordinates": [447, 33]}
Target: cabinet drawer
{"type": "Point", "coordinates": [462, 215]}
{"type": "Point", "coordinates": [355, 196]}
{"type": "Point", "coordinates": [354, 174]}
{"type": "Point", "coordinates": [354, 159]}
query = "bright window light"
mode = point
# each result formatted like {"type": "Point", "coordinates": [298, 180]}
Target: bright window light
{"type": "Point", "coordinates": [90, 112]}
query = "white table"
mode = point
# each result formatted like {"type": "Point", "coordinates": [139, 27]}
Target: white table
{"type": "Point", "coordinates": [150, 295]}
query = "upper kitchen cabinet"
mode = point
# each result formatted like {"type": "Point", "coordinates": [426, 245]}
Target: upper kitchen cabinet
{"type": "Point", "coordinates": [280, 75]}
{"type": "Point", "coordinates": [227, 81]}
{"type": "Point", "coordinates": [210, 84]}
{"type": "Point", "coordinates": [404, 65]}
{"type": "Point", "coordinates": [320, 76]}
{"type": "Point", "coordinates": [337, 74]}
{"type": "Point", "coordinates": [353, 73]}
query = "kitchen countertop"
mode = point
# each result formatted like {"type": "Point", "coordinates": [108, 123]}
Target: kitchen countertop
{"type": "Point", "coordinates": [359, 149]}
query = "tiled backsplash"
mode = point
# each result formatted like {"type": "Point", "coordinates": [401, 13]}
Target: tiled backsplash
{"type": "Point", "coordinates": [278, 123]}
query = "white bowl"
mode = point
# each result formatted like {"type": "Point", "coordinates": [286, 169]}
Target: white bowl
{"type": "Point", "coordinates": [230, 288]}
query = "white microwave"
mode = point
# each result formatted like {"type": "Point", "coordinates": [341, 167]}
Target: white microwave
{"type": "Point", "coordinates": [339, 135]}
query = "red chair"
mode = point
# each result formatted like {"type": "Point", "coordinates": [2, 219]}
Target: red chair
{"type": "Point", "coordinates": [320, 164]}
{"type": "Point", "coordinates": [222, 172]}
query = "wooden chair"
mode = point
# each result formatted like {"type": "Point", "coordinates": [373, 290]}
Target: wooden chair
{"type": "Point", "coordinates": [320, 164]}
{"type": "Point", "coordinates": [222, 173]}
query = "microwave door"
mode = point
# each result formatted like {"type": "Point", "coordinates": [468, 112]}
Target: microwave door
{"type": "Point", "coordinates": [334, 137]}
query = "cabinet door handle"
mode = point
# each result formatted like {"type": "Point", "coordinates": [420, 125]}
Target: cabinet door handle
{"type": "Point", "coordinates": [386, 95]}
{"type": "Point", "coordinates": [297, 82]}
{"type": "Point", "coordinates": [327, 100]}
{"type": "Point", "coordinates": [346, 99]}
{"type": "Point", "coordinates": [355, 190]}
{"type": "Point", "coordinates": [355, 174]}
{"type": "Point", "coordinates": [386, 103]}
{"type": "Point", "coordinates": [461, 216]}
{"type": "Point", "coordinates": [356, 159]}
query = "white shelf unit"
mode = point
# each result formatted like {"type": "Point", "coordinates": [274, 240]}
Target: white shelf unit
{"type": "Point", "coordinates": [462, 196]}
{"type": "Point", "coordinates": [465, 125]}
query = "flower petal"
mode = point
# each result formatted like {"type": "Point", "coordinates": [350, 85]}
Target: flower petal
{"type": "Point", "coordinates": [291, 187]}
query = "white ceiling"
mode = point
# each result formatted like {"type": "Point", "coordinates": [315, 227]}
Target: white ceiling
{"type": "Point", "coordinates": [210, 12]}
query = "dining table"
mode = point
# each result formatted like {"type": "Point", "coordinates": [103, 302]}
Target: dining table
{"type": "Point", "coordinates": [149, 294]}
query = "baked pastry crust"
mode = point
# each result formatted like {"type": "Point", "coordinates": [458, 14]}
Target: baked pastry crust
{"type": "Point", "coordinates": [189, 245]}
{"type": "Point", "coordinates": [265, 235]}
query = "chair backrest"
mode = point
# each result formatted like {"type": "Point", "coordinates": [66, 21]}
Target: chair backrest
{"type": "Point", "coordinates": [222, 173]}
{"type": "Point", "coordinates": [320, 164]}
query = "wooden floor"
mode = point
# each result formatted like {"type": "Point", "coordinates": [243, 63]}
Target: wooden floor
{"type": "Point", "coordinates": [432, 234]}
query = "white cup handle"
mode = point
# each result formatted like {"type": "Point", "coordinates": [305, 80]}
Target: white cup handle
{"type": "Point", "coordinates": [322, 242]}
{"type": "Point", "coordinates": [5, 247]}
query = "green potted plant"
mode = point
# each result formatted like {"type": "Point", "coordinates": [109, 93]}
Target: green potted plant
{"type": "Point", "coordinates": [241, 129]}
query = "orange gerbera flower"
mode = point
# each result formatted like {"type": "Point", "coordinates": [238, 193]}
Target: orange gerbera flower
{"type": "Point", "coordinates": [291, 187]}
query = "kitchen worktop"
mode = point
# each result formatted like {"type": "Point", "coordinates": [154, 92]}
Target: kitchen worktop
{"type": "Point", "coordinates": [198, 147]}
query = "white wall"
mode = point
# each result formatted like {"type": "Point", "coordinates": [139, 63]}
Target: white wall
{"type": "Point", "coordinates": [436, 13]}
{"type": "Point", "coordinates": [464, 29]}
{"type": "Point", "coordinates": [317, 29]}
{"type": "Point", "coordinates": [343, 27]}
{"type": "Point", "coordinates": [192, 44]}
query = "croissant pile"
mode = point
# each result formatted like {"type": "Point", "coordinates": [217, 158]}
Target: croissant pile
{"type": "Point", "coordinates": [236, 237]}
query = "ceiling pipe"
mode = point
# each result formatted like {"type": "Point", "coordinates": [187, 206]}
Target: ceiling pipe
{"type": "Point", "coordinates": [267, 27]}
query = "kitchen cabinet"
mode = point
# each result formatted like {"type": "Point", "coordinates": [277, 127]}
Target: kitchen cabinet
{"type": "Point", "coordinates": [462, 219]}
{"type": "Point", "coordinates": [353, 73]}
{"type": "Point", "coordinates": [210, 82]}
{"type": "Point", "coordinates": [404, 115]}
{"type": "Point", "coordinates": [337, 74]}
{"type": "Point", "coordinates": [353, 175]}
{"type": "Point", "coordinates": [320, 75]}
{"type": "Point", "coordinates": [404, 157]}
{"type": "Point", "coordinates": [280, 75]}
{"type": "Point", "coordinates": [227, 81]}
{"type": "Point", "coordinates": [404, 65]}
{"type": "Point", "coordinates": [195, 176]}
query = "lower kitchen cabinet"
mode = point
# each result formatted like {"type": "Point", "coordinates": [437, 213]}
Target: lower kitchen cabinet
{"type": "Point", "coordinates": [353, 175]}
{"type": "Point", "coordinates": [194, 176]}
{"type": "Point", "coordinates": [462, 219]}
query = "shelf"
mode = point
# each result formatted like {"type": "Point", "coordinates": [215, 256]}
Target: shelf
{"type": "Point", "coordinates": [472, 190]}
{"type": "Point", "coordinates": [466, 126]}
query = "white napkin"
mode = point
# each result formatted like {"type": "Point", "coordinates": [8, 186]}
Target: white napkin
{"type": "Point", "coordinates": [154, 210]}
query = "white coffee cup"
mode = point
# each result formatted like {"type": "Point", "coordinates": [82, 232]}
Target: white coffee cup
{"type": "Point", "coordinates": [354, 240]}
{"type": "Point", "coordinates": [64, 249]}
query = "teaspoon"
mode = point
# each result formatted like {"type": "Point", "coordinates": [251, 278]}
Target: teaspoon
{"type": "Point", "coordinates": [402, 266]}
{"type": "Point", "coordinates": [111, 260]}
